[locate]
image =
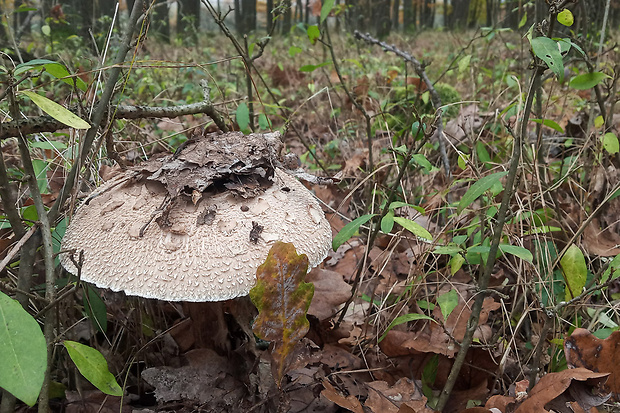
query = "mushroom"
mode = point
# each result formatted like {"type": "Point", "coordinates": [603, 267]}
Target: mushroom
{"type": "Point", "coordinates": [194, 226]}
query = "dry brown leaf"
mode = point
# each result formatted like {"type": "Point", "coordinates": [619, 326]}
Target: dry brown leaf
{"type": "Point", "coordinates": [353, 165]}
{"type": "Point", "coordinates": [416, 406]}
{"type": "Point", "coordinates": [354, 338]}
{"type": "Point", "coordinates": [499, 402]}
{"type": "Point", "coordinates": [337, 358]}
{"type": "Point", "coordinates": [583, 349]}
{"type": "Point", "coordinates": [330, 291]}
{"type": "Point", "coordinates": [383, 398]}
{"type": "Point", "coordinates": [436, 339]}
{"type": "Point", "coordinates": [600, 242]}
{"type": "Point", "coordinates": [94, 401]}
{"type": "Point", "coordinates": [346, 402]}
{"type": "Point", "coordinates": [553, 385]}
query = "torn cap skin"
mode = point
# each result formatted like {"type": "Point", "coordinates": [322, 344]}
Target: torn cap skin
{"type": "Point", "coordinates": [149, 235]}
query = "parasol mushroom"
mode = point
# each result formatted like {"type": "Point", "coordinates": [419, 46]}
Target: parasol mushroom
{"type": "Point", "coordinates": [195, 225]}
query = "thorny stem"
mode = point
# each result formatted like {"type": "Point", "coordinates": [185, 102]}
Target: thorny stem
{"type": "Point", "coordinates": [435, 98]}
{"type": "Point", "coordinates": [100, 111]}
{"type": "Point", "coordinates": [353, 99]}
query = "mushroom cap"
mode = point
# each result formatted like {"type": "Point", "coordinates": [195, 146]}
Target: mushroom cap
{"type": "Point", "coordinates": [206, 249]}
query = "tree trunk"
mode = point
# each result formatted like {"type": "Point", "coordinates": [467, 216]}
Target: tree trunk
{"type": "Point", "coordinates": [352, 14]}
{"type": "Point", "coordinates": [491, 13]}
{"type": "Point", "coordinates": [460, 11]}
{"type": "Point", "coordinates": [299, 11]}
{"type": "Point", "coordinates": [426, 15]}
{"type": "Point", "coordinates": [238, 17]}
{"type": "Point", "coordinates": [269, 15]}
{"type": "Point", "coordinates": [248, 10]}
{"type": "Point", "coordinates": [409, 15]}
{"type": "Point", "coordinates": [382, 19]}
{"type": "Point", "coordinates": [395, 14]}
{"type": "Point", "coordinates": [286, 18]}
{"type": "Point", "coordinates": [439, 14]}
{"type": "Point", "coordinates": [173, 20]}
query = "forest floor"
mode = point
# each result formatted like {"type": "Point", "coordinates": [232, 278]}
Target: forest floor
{"type": "Point", "coordinates": [389, 310]}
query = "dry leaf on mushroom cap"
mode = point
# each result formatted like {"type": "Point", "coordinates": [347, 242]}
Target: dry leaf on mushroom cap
{"type": "Point", "coordinates": [195, 225]}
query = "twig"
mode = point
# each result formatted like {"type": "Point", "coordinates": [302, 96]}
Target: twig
{"type": "Point", "coordinates": [352, 98]}
{"type": "Point", "coordinates": [46, 123]}
{"type": "Point", "coordinates": [435, 98]}
{"type": "Point", "coordinates": [373, 235]}
{"type": "Point", "coordinates": [219, 20]}
{"type": "Point", "coordinates": [48, 250]}
{"type": "Point", "coordinates": [26, 236]}
{"type": "Point", "coordinates": [483, 281]}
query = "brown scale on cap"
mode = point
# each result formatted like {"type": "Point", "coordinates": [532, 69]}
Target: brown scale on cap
{"type": "Point", "coordinates": [205, 251]}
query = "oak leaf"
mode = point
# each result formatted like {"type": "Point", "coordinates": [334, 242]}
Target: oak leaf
{"type": "Point", "coordinates": [282, 299]}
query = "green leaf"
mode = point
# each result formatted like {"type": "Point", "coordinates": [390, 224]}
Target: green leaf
{"type": "Point", "coordinates": [464, 63]}
{"type": "Point", "coordinates": [313, 33]}
{"type": "Point", "coordinates": [60, 72]}
{"type": "Point", "coordinates": [612, 270]}
{"type": "Point", "coordinates": [49, 145]}
{"type": "Point", "coordinates": [387, 222]}
{"type": "Point", "coordinates": [95, 309]}
{"type": "Point", "coordinates": [447, 249]}
{"type": "Point", "coordinates": [351, 228]}
{"type": "Point", "coordinates": [416, 131]}
{"type": "Point", "coordinates": [587, 80]}
{"type": "Point", "coordinates": [456, 262]}
{"type": "Point", "coordinates": [462, 160]}
{"type": "Point", "coordinates": [263, 121]}
{"type": "Point", "coordinates": [478, 188]}
{"type": "Point", "coordinates": [243, 116]}
{"type": "Point", "coordinates": [413, 227]}
{"type": "Point", "coordinates": [23, 350]}
{"type": "Point", "coordinates": [550, 124]}
{"type": "Point", "coordinates": [30, 213]}
{"type": "Point", "coordinates": [448, 302]}
{"type": "Point", "coordinates": [573, 265]}
{"type": "Point", "coordinates": [422, 161]}
{"type": "Point", "coordinates": [40, 171]}
{"type": "Point", "coordinates": [482, 152]}
{"type": "Point", "coordinates": [547, 50]}
{"type": "Point", "coordinates": [282, 299]}
{"type": "Point", "coordinates": [31, 64]}
{"type": "Point", "coordinates": [405, 319]}
{"type": "Point", "coordinates": [312, 68]}
{"type": "Point", "coordinates": [517, 251]}
{"type": "Point", "coordinates": [293, 50]}
{"type": "Point", "coordinates": [566, 18]}
{"type": "Point", "coordinates": [610, 143]}
{"type": "Point", "coordinates": [56, 111]}
{"type": "Point", "coordinates": [599, 121]}
{"type": "Point", "coordinates": [327, 7]}
{"type": "Point", "coordinates": [425, 305]}
{"type": "Point", "coordinates": [93, 366]}
{"type": "Point", "coordinates": [429, 375]}
{"type": "Point", "coordinates": [523, 20]}
{"type": "Point", "coordinates": [542, 230]}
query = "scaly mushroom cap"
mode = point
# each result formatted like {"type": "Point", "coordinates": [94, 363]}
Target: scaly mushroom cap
{"type": "Point", "coordinates": [204, 248]}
